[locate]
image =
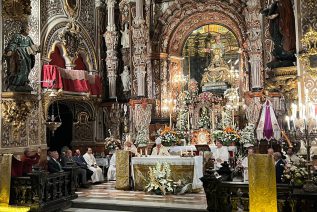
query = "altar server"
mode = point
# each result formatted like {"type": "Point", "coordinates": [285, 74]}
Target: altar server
{"type": "Point", "coordinates": [97, 175]}
{"type": "Point", "coordinates": [221, 154]}
{"type": "Point", "coordinates": [160, 149]}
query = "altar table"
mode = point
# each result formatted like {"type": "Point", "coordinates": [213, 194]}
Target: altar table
{"type": "Point", "coordinates": [213, 148]}
{"type": "Point", "coordinates": [189, 169]}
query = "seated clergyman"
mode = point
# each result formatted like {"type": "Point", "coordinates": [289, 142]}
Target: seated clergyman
{"type": "Point", "coordinates": [97, 175]}
{"type": "Point", "coordinates": [159, 149]}
{"type": "Point", "coordinates": [221, 154]}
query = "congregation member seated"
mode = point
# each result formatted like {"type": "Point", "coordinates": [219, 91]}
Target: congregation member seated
{"type": "Point", "coordinates": [90, 159]}
{"type": "Point", "coordinates": [69, 160]}
{"type": "Point", "coordinates": [291, 157]}
{"type": "Point", "coordinates": [80, 161]}
{"type": "Point", "coordinates": [279, 166]}
{"type": "Point", "coordinates": [270, 151]}
{"type": "Point", "coordinates": [221, 154]}
{"type": "Point", "coordinates": [159, 149]}
{"type": "Point", "coordinates": [29, 159]}
{"type": "Point", "coordinates": [53, 164]}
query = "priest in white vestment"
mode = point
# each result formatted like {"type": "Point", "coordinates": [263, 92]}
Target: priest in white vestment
{"type": "Point", "coordinates": [221, 154]}
{"type": "Point", "coordinates": [129, 146]}
{"type": "Point", "coordinates": [160, 149]}
{"type": "Point", "coordinates": [245, 162]}
{"type": "Point", "coordinates": [90, 159]}
{"type": "Point", "coordinates": [111, 174]}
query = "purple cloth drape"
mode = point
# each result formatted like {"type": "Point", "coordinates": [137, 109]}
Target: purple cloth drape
{"type": "Point", "coordinates": [268, 128]}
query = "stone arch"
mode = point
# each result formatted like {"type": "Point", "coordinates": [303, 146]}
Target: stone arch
{"type": "Point", "coordinates": [181, 18]}
{"type": "Point", "coordinates": [51, 38]}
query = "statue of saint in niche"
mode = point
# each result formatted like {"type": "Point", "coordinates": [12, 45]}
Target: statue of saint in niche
{"type": "Point", "coordinates": [125, 78]}
{"type": "Point", "coordinates": [282, 29]}
{"type": "Point", "coordinates": [20, 57]}
{"type": "Point", "coordinates": [125, 38]}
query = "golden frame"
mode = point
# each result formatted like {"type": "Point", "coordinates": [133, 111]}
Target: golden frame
{"type": "Point", "coordinates": [309, 57]}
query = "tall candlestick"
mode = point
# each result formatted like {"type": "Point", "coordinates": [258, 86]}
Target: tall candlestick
{"type": "Point", "coordinates": [171, 120]}
{"type": "Point", "coordinates": [232, 118]}
{"type": "Point", "coordinates": [188, 124]}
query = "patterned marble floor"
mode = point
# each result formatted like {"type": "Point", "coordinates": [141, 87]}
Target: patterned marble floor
{"type": "Point", "coordinates": [105, 197]}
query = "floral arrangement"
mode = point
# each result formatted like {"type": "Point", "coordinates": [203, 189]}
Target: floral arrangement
{"type": "Point", "coordinates": [141, 138]}
{"type": "Point", "coordinates": [168, 136]}
{"type": "Point", "coordinates": [247, 135]}
{"type": "Point", "coordinates": [208, 97]}
{"type": "Point", "coordinates": [112, 143]}
{"type": "Point", "coordinates": [193, 87]}
{"type": "Point", "coordinates": [160, 182]}
{"type": "Point", "coordinates": [294, 175]}
{"type": "Point", "coordinates": [227, 136]}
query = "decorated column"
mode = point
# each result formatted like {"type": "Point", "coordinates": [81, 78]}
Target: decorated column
{"type": "Point", "coordinates": [141, 114]}
{"type": "Point", "coordinates": [139, 38]}
{"type": "Point", "coordinates": [254, 42]}
{"type": "Point", "coordinates": [111, 37]}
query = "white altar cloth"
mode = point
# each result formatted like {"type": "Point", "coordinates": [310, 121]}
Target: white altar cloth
{"type": "Point", "coordinates": [196, 161]}
{"type": "Point", "coordinates": [213, 148]}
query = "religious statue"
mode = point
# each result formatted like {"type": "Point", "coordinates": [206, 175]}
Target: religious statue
{"type": "Point", "coordinates": [20, 57]}
{"type": "Point", "coordinates": [125, 40]}
{"type": "Point", "coordinates": [217, 70]}
{"type": "Point", "coordinates": [282, 29]}
{"type": "Point", "coordinates": [125, 78]}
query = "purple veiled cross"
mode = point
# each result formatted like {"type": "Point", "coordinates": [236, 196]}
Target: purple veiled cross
{"type": "Point", "coordinates": [268, 128]}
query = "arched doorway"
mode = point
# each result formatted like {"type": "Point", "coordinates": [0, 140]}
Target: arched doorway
{"type": "Point", "coordinates": [64, 134]}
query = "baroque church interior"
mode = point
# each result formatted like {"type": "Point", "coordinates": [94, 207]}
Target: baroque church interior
{"type": "Point", "coordinates": [158, 105]}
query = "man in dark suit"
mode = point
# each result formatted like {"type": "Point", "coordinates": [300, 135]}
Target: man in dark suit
{"type": "Point", "coordinates": [53, 163]}
{"type": "Point", "coordinates": [68, 160]}
{"type": "Point", "coordinates": [279, 166]}
{"type": "Point", "coordinates": [80, 161]}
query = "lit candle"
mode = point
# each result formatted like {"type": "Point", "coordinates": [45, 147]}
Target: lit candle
{"type": "Point", "coordinates": [288, 122]}
{"type": "Point", "coordinates": [191, 151]}
{"type": "Point", "coordinates": [145, 152]}
{"type": "Point", "coordinates": [212, 120]}
{"type": "Point", "coordinates": [171, 120]}
{"type": "Point", "coordinates": [141, 152]}
{"type": "Point", "coordinates": [181, 152]}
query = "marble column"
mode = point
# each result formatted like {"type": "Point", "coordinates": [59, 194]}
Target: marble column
{"type": "Point", "coordinates": [253, 19]}
{"type": "Point", "coordinates": [111, 38]}
{"type": "Point", "coordinates": [139, 38]}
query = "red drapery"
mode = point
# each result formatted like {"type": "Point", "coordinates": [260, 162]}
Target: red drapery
{"type": "Point", "coordinates": [71, 80]}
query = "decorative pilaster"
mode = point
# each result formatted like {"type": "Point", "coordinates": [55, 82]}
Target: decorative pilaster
{"type": "Point", "coordinates": [141, 114]}
{"type": "Point", "coordinates": [254, 42]}
{"type": "Point", "coordinates": [149, 68]}
{"type": "Point", "coordinates": [111, 38]}
{"type": "Point", "coordinates": [139, 38]}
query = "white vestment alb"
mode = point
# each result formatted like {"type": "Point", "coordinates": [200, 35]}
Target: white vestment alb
{"type": "Point", "coordinates": [245, 169]}
{"type": "Point", "coordinates": [221, 153]}
{"type": "Point", "coordinates": [162, 152]}
{"type": "Point", "coordinates": [97, 175]}
{"type": "Point", "coordinates": [111, 175]}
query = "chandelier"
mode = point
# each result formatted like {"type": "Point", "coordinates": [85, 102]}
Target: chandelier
{"type": "Point", "coordinates": [54, 122]}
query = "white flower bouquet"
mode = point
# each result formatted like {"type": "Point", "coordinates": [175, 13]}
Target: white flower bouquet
{"type": "Point", "coordinates": [247, 135]}
{"type": "Point", "coordinates": [160, 182]}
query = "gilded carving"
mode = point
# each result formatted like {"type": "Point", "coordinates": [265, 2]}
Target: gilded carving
{"type": "Point", "coordinates": [70, 38]}
{"type": "Point", "coordinates": [83, 128]}
{"type": "Point", "coordinates": [16, 112]}
{"type": "Point", "coordinates": [18, 10]}
{"type": "Point", "coordinates": [71, 7]}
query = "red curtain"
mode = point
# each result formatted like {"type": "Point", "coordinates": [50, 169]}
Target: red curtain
{"type": "Point", "coordinates": [79, 62]}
